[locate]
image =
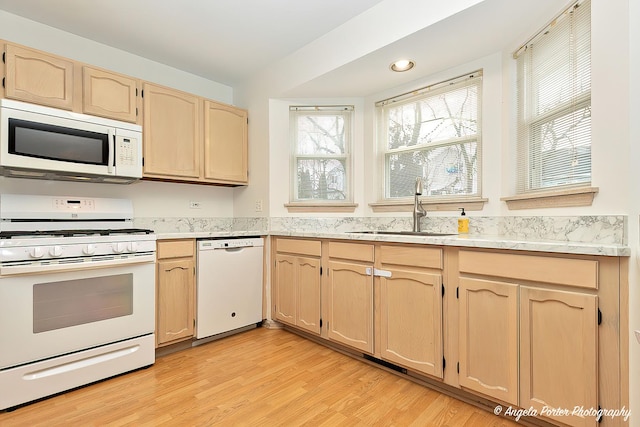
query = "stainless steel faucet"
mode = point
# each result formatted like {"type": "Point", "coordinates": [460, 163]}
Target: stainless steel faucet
{"type": "Point", "coordinates": [418, 210]}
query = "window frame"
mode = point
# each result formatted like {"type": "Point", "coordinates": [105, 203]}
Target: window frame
{"type": "Point", "coordinates": [446, 202]}
{"type": "Point", "coordinates": [526, 193]}
{"type": "Point", "coordinates": [326, 205]}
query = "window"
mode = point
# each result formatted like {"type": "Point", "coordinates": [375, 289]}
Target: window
{"type": "Point", "coordinates": [321, 162]}
{"type": "Point", "coordinates": [433, 133]}
{"type": "Point", "coordinates": [554, 104]}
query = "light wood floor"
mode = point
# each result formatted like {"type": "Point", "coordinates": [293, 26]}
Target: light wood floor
{"type": "Point", "coordinates": [260, 378]}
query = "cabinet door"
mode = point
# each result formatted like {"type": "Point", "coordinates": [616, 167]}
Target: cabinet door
{"type": "Point", "coordinates": [109, 95]}
{"type": "Point", "coordinates": [351, 305]}
{"type": "Point", "coordinates": [308, 283]}
{"type": "Point", "coordinates": [225, 143]}
{"type": "Point", "coordinates": [489, 338]}
{"type": "Point", "coordinates": [171, 133]}
{"type": "Point", "coordinates": [558, 351]}
{"type": "Point", "coordinates": [411, 320]}
{"type": "Point", "coordinates": [36, 77]}
{"type": "Point", "coordinates": [176, 289]}
{"type": "Point", "coordinates": [285, 304]}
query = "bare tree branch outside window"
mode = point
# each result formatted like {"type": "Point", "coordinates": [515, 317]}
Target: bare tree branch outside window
{"type": "Point", "coordinates": [435, 136]}
{"type": "Point", "coordinates": [321, 138]}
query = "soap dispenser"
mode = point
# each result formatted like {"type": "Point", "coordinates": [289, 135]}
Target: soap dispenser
{"type": "Point", "coordinates": [463, 222]}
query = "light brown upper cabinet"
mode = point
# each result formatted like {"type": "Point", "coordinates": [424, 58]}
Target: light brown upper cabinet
{"type": "Point", "coordinates": [225, 143]}
{"type": "Point", "coordinates": [186, 138]}
{"type": "Point", "coordinates": [171, 133]}
{"type": "Point", "coordinates": [37, 77]}
{"type": "Point", "coordinates": [181, 143]}
{"type": "Point", "coordinates": [109, 95]}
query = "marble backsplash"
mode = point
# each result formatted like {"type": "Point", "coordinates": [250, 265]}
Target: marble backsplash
{"type": "Point", "coordinates": [610, 229]}
{"type": "Point", "coordinates": [197, 225]}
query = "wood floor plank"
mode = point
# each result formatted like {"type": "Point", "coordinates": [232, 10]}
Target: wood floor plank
{"type": "Point", "coordinates": [260, 378]}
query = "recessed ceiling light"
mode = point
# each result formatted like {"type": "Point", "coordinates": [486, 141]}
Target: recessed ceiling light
{"type": "Point", "coordinates": [402, 65]}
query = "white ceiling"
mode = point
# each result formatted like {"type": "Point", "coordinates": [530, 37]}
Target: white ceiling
{"type": "Point", "coordinates": [229, 41]}
{"type": "Point", "coordinates": [222, 40]}
{"type": "Point", "coordinates": [485, 28]}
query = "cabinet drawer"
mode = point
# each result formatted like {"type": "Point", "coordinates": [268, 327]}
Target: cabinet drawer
{"type": "Point", "coordinates": [176, 248]}
{"type": "Point", "coordinates": [581, 273]}
{"type": "Point", "coordinates": [352, 251]}
{"type": "Point", "coordinates": [302, 247]}
{"type": "Point", "coordinates": [414, 256]}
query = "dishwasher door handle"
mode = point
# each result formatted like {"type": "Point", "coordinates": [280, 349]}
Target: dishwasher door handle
{"type": "Point", "coordinates": [236, 249]}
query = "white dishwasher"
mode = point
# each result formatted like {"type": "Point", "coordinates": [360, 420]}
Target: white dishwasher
{"type": "Point", "coordinates": [229, 285]}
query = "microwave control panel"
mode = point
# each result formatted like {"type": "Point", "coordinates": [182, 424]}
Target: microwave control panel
{"type": "Point", "coordinates": [128, 154]}
{"type": "Point", "coordinates": [126, 151]}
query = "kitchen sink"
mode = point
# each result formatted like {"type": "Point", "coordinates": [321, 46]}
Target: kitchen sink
{"type": "Point", "coordinates": [405, 233]}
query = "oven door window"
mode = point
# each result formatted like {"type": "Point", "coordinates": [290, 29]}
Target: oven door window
{"type": "Point", "coordinates": [47, 141]}
{"type": "Point", "coordinates": [58, 305]}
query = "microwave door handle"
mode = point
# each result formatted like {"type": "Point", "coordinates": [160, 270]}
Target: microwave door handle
{"type": "Point", "coordinates": [112, 143]}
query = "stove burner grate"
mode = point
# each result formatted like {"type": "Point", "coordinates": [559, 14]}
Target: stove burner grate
{"type": "Point", "coordinates": [73, 233]}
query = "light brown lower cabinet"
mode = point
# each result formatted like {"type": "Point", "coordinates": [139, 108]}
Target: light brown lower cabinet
{"type": "Point", "coordinates": [559, 352]}
{"type": "Point", "coordinates": [298, 291]}
{"type": "Point", "coordinates": [349, 285]}
{"type": "Point", "coordinates": [350, 311]}
{"type": "Point", "coordinates": [529, 337]}
{"type": "Point", "coordinates": [488, 338]}
{"type": "Point", "coordinates": [527, 330]}
{"type": "Point", "coordinates": [411, 320]}
{"type": "Point", "coordinates": [411, 309]}
{"type": "Point", "coordinates": [297, 283]}
{"type": "Point", "coordinates": [175, 293]}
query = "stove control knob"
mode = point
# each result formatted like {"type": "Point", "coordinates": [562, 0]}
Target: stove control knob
{"type": "Point", "coordinates": [90, 249]}
{"type": "Point", "coordinates": [36, 252]}
{"type": "Point", "coordinates": [132, 247]}
{"type": "Point", "coordinates": [119, 248]}
{"type": "Point", "coordinates": [55, 251]}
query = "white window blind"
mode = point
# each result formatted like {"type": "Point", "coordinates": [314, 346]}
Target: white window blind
{"type": "Point", "coordinates": [433, 133]}
{"type": "Point", "coordinates": [554, 104]}
{"type": "Point", "coordinates": [321, 146]}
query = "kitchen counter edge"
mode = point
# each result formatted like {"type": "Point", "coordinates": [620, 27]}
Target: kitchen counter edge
{"type": "Point", "coordinates": [461, 240]}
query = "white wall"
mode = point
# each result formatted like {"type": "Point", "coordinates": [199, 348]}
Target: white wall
{"type": "Point", "coordinates": [381, 25]}
{"type": "Point", "coordinates": [610, 126]}
{"type": "Point", "coordinates": [39, 36]}
{"type": "Point", "coordinates": [255, 99]}
{"type": "Point", "coordinates": [155, 199]}
{"type": "Point", "coordinates": [491, 131]}
{"type": "Point", "coordinates": [633, 199]}
{"type": "Point", "coordinates": [150, 198]}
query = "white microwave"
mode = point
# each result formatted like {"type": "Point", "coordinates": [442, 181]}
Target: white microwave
{"type": "Point", "coordinates": [47, 143]}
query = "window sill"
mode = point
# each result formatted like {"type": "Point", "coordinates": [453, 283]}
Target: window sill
{"type": "Point", "coordinates": [321, 207]}
{"type": "Point", "coordinates": [453, 205]}
{"type": "Point", "coordinates": [571, 197]}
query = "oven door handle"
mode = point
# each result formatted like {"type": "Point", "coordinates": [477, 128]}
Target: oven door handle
{"type": "Point", "coordinates": [81, 264]}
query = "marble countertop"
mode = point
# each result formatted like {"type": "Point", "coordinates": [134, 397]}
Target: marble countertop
{"type": "Point", "coordinates": [462, 240]}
